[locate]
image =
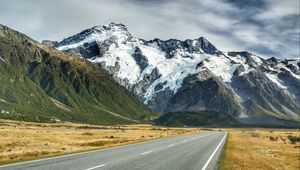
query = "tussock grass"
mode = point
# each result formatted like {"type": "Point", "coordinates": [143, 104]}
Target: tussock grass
{"type": "Point", "coordinates": [261, 149]}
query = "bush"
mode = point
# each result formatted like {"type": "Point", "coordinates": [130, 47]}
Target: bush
{"type": "Point", "coordinates": [273, 138]}
{"type": "Point", "coordinates": [293, 139]}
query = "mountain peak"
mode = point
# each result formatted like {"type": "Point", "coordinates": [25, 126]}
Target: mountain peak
{"type": "Point", "coordinates": [250, 58]}
{"type": "Point", "coordinates": [96, 34]}
{"type": "Point", "coordinates": [200, 45]}
{"type": "Point", "coordinates": [118, 33]}
{"type": "Point", "coordinates": [117, 27]}
{"type": "Point", "coordinates": [207, 46]}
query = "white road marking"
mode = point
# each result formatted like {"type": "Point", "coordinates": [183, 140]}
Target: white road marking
{"type": "Point", "coordinates": [171, 145]}
{"type": "Point", "coordinates": [96, 167]}
{"type": "Point", "coordinates": [189, 140]}
{"type": "Point", "coordinates": [212, 155]}
{"type": "Point", "coordinates": [144, 153]}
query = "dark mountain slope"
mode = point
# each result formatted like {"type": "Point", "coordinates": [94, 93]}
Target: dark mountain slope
{"type": "Point", "coordinates": [201, 118]}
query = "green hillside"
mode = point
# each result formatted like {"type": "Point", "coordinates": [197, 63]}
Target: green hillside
{"type": "Point", "coordinates": [39, 83]}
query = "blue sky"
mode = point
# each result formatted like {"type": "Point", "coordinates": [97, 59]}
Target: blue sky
{"type": "Point", "coordinates": [265, 27]}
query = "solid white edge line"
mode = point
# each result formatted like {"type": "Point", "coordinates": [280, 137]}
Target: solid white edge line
{"type": "Point", "coordinates": [144, 153]}
{"type": "Point", "coordinates": [96, 167]}
{"type": "Point", "coordinates": [212, 155]}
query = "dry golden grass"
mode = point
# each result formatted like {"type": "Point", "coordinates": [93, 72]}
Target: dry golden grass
{"type": "Point", "coordinates": [245, 148]}
{"type": "Point", "coordinates": [261, 149]}
{"type": "Point", "coordinates": [24, 140]}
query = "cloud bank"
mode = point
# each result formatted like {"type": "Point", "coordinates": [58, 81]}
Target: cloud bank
{"type": "Point", "coordinates": [265, 27]}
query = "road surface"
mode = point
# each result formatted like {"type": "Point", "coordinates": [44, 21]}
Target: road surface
{"type": "Point", "coordinates": [199, 151]}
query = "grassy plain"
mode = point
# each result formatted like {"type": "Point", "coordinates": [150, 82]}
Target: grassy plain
{"type": "Point", "coordinates": [247, 148]}
{"type": "Point", "coordinates": [25, 140]}
{"type": "Point", "coordinates": [264, 149]}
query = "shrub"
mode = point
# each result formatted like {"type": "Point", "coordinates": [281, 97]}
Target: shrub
{"type": "Point", "coordinates": [273, 138]}
{"type": "Point", "coordinates": [293, 139]}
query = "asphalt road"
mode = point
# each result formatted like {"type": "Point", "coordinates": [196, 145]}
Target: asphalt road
{"type": "Point", "coordinates": [199, 151]}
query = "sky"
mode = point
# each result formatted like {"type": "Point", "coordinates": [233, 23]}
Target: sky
{"type": "Point", "coordinates": [269, 28]}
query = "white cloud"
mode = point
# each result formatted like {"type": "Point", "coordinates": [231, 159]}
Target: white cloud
{"type": "Point", "coordinates": [277, 9]}
{"type": "Point", "coordinates": [222, 23]}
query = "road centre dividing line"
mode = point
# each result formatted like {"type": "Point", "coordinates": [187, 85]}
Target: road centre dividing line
{"type": "Point", "coordinates": [144, 153]}
{"type": "Point", "coordinates": [96, 167]}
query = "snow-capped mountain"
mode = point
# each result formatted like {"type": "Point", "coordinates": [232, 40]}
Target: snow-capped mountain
{"type": "Point", "coordinates": [192, 75]}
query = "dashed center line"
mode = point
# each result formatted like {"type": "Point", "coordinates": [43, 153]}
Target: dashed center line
{"type": "Point", "coordinates": [144, 153]}
{"type": "Point", "coordinates": [96, 167]}
{"type": "Point", "coordinates": [171, 145]}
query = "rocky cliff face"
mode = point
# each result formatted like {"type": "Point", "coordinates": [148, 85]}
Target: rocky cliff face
{"type": "Point", "coordinates": [193, 75]}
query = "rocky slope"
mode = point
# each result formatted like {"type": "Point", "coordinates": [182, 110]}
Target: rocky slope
{"type": "Point", "coordinates": [193, 75]}
{"type": "Point", "coordinates": [39, 83]}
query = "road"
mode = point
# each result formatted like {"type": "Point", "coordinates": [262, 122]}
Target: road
{"type": "Point", "coordinates": [198, 151]}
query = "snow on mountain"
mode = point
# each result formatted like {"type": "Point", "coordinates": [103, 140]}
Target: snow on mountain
{"type": "Point", "coordinates": [172, 70]}
{"type": "Point", "coordinates": [158, 70]}
{"type": "Point", "coordinates": [97, 33]}
{"type": "Point", "coordinates": [276, 80]}
{"type": "Point", "coordinates": [221, 67]}
{"type": "Point", "coordinates": [119, 54]}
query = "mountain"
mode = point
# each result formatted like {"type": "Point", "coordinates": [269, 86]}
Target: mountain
{"type": "Point", "coordinates": [175, 76]}
{"type": "Point", "coordinates": [39, 83]}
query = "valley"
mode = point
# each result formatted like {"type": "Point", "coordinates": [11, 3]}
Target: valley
{"type": "Point", "coordinates": [43, 90]}
{"type": "Point", "coordinates": [150, 85]}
